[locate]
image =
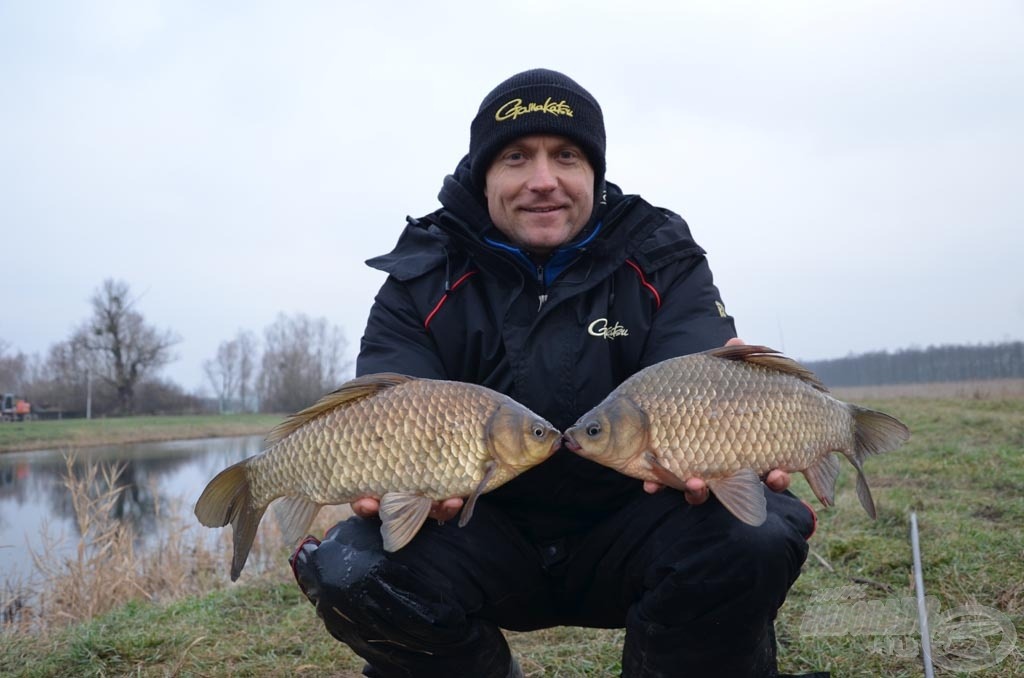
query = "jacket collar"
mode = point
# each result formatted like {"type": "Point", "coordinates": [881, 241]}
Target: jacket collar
{"type": "Point", "coordinates": [463, 223]}
{"type": "Point", "coordinates": [473, 226]}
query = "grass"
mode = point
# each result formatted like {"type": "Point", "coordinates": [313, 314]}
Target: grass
{"type": "Point", "coordinates": [851, 611]}
{"type": "Point", "coordinates": [988, 389]}
{"type": "Point", "coordinates": [963, 474]}
{"type": "Point", "coordinates": [37, 435]}
{"type": "Point", "coordinates": [260, 629]}
{"type": "Point", "coordinates": [263, 628]}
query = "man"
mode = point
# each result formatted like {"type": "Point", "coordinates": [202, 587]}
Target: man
{"type": "Point", "coordinates": [538, 279]}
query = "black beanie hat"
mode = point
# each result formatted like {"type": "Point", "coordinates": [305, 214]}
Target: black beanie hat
{"type": "Point", "coordinates": [536, 102]}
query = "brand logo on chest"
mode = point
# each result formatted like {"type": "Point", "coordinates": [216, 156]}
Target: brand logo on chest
{"type": "Point", "coordinates": [601, 328]}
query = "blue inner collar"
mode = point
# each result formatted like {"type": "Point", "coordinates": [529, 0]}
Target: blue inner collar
{"type": "Point", "coordinates": [559, 260]}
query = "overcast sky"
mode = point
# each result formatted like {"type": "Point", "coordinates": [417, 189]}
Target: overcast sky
{"type": "Point", "coordinates": [854, 169]}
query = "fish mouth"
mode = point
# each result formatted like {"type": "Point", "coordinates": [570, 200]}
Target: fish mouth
{"type": "Point", "coordinates": [570, 443]}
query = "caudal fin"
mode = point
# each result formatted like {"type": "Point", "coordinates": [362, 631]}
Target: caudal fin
{"type": "Point", "coordinates": [874, 433]}
{"type": "Point", "coordinates": [228, 499]}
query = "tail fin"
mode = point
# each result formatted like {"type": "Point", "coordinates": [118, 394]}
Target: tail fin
{"type": "Point", "coordinates": [874, 433]}
{"type": "Point", "coordinates": [228, 499]}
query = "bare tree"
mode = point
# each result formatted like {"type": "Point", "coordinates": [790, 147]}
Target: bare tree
{"type": "Point", "coordinates": [247, 347]}
{"type": "Point", "coordinates": [222, 373]}
{"type": "Point", "coordinates": [123, 348]}
{"type": "Point", "coordinates": [63, 380]}
{"type": "Point", "coordinates": [13, 368]}
{"type": "Point", "coordinates": [230, 372]}
{"type": "Point", "coordinates": [303, 358]}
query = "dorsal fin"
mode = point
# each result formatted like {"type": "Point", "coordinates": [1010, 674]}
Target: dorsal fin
{"type": "Point", "coordinates": [770, 358]}
{"type": "Point", "coordinates": [356, 389]}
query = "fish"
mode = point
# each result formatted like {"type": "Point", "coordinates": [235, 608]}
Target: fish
{"type": "Point", "coordinates": [407, 441]}
{"type": "Point", "coordinates": [728, 416]}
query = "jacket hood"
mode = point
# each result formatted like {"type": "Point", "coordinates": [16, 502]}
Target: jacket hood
{"type": "Point", "coordinates": [460, 196]}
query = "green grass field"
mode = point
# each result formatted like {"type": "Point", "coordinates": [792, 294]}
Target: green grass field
{"type": "Point", "coordinates": [37, 435]}
{"type": "Point", "coordinates": [851, 611]}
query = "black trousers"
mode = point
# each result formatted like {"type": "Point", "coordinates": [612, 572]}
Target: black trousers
{"type": "Point", "coordinates": [696, 589]}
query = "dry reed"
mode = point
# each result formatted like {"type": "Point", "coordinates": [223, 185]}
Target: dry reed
{"type": "Point", "coordinates": [98, 574]}
{"type": "Point", "coordinates": [109, 565]}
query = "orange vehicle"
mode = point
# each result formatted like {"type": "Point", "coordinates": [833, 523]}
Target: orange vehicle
{"type": "Point", "coordinates": [13, 408]}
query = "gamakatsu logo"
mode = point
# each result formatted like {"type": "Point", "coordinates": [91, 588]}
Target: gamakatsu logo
{"type": "Point", "coordinates": [513, 109]}
{"type": "Point", "coordinates": [600, 328]}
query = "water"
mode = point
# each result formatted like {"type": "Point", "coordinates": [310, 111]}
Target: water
{"type": "Point", "coordinates": [34, 504]}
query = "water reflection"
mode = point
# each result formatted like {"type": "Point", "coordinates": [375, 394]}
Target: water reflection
{"type": "Point", "coordinates": [158, 478]}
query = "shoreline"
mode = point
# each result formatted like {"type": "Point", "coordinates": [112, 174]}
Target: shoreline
{"type": "Point", "coordinates": [73, 433]}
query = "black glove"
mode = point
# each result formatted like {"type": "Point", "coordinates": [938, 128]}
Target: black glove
{"type": "Point", "coordinates": [303, 569]}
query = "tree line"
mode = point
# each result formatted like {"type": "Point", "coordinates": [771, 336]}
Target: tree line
{"type": "Point", "coordinates": [924, 365]}
{"type": "Point", "coordinates": [110, 365]}
{"type": "Point", "coordinates": [302, 359]}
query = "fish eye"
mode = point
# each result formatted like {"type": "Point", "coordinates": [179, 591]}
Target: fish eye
{"type": "Point", "coordinates": [538, 431]}
{"type": "Point", "coordinates": [593, 429]}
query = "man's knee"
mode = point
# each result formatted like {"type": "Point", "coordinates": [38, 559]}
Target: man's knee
{"type": "Point", "coordinates": [771, 554]}
{"type": "Point", "coordinates": [357, 587]}
{"type": "Point", "coordinates": [403, 612]}
{"type": "Point", "coordinates": [337, 574]}
{"type": "Point", "coordinates": [738, 567]}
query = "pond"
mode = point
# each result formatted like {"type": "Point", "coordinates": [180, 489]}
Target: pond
{"type": "Point", "coordinates": [158, 477]}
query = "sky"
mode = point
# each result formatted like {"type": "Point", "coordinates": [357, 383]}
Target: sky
{"type": "Point", "coordinates": [855, 171]}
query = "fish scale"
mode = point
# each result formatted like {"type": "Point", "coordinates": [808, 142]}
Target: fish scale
{"type": "Point", "coordinates": [405, 441]}
{"type": "Point", "coordinates": [381, 469]}
{"type": "Point", "coordinates": [728, 416]}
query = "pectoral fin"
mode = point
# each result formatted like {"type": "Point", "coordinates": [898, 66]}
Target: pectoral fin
{"type": "Point", "coordinates": [664, 476]}
{"type": "Point", "coordinates": [743, 495]}
{"type": "Point", "coordinates": [402, 515]}
{"type": "Point", "coordinates": [490, 468]}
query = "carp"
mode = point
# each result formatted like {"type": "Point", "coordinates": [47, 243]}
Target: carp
{"type": "Point", "coordinates": [728, 416]}
{"type": "Point", "coordinates": [406, 441]}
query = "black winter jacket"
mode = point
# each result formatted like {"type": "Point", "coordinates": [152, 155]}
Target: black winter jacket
{"type": "Point", "coordinates": [457, 307]}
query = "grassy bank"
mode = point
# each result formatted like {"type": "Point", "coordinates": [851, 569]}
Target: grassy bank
{"type": "Point", "coordinates": [850, 612]}
{"type": "Point", "coordinates": [38, 435]}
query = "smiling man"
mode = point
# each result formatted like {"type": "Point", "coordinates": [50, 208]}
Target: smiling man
{"type": "Point", "coordinates": [540, 192]}
{"type": "Point", "coordinates": [541, 280]}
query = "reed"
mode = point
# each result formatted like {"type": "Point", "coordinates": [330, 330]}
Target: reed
{"type": "Point", "coordinates": [105, 567]}
{"type": "Point", "coordinates": [109, 564]}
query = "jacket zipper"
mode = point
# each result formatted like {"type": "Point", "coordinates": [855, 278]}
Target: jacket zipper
{"type": "Point", "coordinates": [543, 296]}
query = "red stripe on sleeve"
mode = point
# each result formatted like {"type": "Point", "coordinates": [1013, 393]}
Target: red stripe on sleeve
{"type": "Point", "coordinates": [440, 303]}
{"type": "Point", "coordinates": [643, 281]}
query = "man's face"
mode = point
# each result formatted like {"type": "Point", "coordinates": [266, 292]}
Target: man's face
{"type": "Point", "coordinates": [540, 192]}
